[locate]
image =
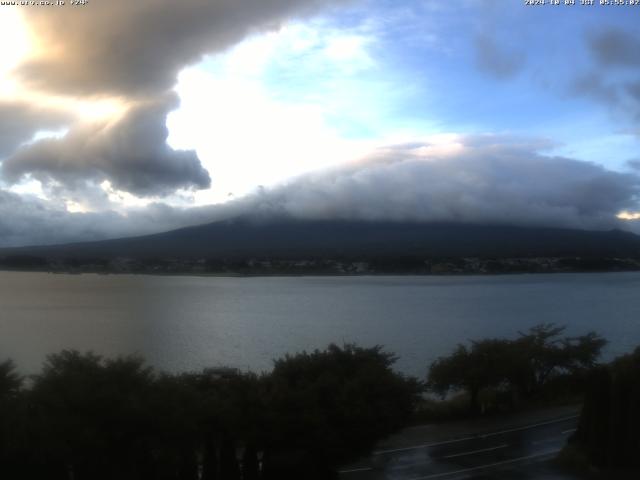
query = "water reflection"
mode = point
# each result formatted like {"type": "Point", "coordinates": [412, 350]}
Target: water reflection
{"type": "Point", "coordinates": [182, 323]}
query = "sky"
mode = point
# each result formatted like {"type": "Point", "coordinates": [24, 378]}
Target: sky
{"type": "Point", "coordinates": [120, 118]}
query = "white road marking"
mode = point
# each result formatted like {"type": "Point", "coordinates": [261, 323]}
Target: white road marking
{"type": "Point", "coordinates": [474, 437]}
{"type": "Point", "coordinates": [571, 430]}
{"type": "Point", "coordinates": [489, 465]}
{"type": "Point", "coordinates": [476, 451]}
{"type": "Point", "coordinates": [354, 470]}
{"type": "Point", "coordinates": [425, 445]}
{"type": "Point", "coordinates": [517, 429]}
{"type": "Point", "coordinates": [404, 466]}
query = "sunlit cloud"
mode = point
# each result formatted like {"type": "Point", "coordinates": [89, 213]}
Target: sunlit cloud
{"type": "Point", "coordinates": [16, 42]}
{"type": "Point", "coordinates": [120, 198]}
{"type": "Point", "coordinates": [627, 215]}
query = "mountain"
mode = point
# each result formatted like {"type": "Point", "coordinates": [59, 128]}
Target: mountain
{"type": "Point", "coordinates": [243, 238]}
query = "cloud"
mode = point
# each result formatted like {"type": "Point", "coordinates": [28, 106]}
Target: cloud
{"type": "Point", "coordinates": [476, 179]}
{"type": "Point", "coordinates": [495, 60]}
{"type": "Point", "coordinates": [594, 85]}
{"type": "Point", "coordinates": [613, 80]}
{"type": "Point", "coordinates": [131, 153]}
{"type": "Point", "coordinates": [21, 120]}
{"type": "Point", "coordinates": [127, 54]}
{"type": "Point", "coordinates": [28, 220]}
{"type": "Point", "coordinates": [118, 47]}
{"type": "Point", "coordinates": [615, 48]}
{"type": "Point", "coordinates": [470, 179]}
{"type": "Point", "coordinates": [635, 164]}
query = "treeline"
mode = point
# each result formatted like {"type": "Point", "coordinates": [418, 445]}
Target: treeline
{"type": "Point", "coordinates": [87, 417]}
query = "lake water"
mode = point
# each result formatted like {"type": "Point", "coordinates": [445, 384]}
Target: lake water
{"type": "Point", "coordinates": [184, 323]}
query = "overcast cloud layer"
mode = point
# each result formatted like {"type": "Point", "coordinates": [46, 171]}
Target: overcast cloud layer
{"type": "Point", "coordinates": [475, 179]}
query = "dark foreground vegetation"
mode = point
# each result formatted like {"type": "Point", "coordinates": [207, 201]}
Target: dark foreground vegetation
{"type": "Point", "coordinates": [87, 417]}
{"type": "Point", "coordinates": [541, 367]}
{"type": "Point", "coordinates": [609, 431]}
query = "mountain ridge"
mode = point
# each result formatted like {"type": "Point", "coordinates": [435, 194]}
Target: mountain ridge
{"type": "Point", "coordinates": [286, 238]}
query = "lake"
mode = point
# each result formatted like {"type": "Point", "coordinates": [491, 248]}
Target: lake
{"type": "Point", "coordinates": [183, 323]}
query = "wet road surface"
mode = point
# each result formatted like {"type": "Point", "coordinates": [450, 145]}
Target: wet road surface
{"type": "Point", "coordinates": [518, 452]}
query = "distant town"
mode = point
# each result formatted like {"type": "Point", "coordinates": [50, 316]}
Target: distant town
{"type": "Point", "coordinates": [320, 266]}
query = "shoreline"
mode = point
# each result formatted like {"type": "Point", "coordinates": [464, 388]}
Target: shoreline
{"type": "Point", "coordinates": [314, 274]}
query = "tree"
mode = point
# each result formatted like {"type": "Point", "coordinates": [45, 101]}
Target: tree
{"type": "Point", "coordinates": [327, 407]}
{"type": "Point", "coordinates": [10, 380]}
{"type": "Point", "coordinates": [11, 415]}
{"type": "Point", "coordinates": [522, 367]}
{"type": "Point", "coordinates": [542, 353]}
{"type": "Point", "coordinates": [86, 417]}
{"type": "Point", "coordinates": [90, 415]}
{"type": "Point", "coordinates": [471, 370]}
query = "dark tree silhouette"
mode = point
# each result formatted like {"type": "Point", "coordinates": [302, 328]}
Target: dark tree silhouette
{"type": "Point", "coordinates": [11, 419]}
{"type": "Point", "coordinates": [522, 367]}
{"type": "Point", "coordinates": [85, 417]}
{"type": "Point", "coordinates": [10, 380]}
{"type": "Point", "coordinates": [484, 365]}
{"type": "Point", "coordinates": [328, 407]}
{"type": "Point", "coordinates": [91, 415]}
{"type": "Point", "coordinates": [541, 353]}
{"type": "Point", "coordinates": [609, 427]}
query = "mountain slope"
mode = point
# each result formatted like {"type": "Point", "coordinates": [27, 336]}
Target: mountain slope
{"type": "Point", "coordinates": [286, 238]}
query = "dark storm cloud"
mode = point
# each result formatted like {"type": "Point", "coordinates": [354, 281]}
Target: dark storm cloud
{"type": "Point", "coordinates": [131, 51]}
{"type": "Point", "coordinates": [616, 48]}
{"type": "Point", "coordinates": [19, 121]}
{"type": "Point", "coordinates": [131, 153]}
{"type": "Point", "coordinates": [614, 79]}
{"type": "Point", "coordinates": [494, 59]}
{"type": "Point", "coordinates": [134, 48]}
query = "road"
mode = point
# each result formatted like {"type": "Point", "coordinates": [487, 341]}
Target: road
{"type": "Point", "coordinates": [513, 452]}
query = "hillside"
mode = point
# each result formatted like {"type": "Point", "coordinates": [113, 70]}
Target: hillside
{"type": "Point", "coordinates": [243, 238]}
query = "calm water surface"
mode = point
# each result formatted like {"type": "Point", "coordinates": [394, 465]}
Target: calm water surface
{"type": "Point", "coordinates": [184, 323]}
